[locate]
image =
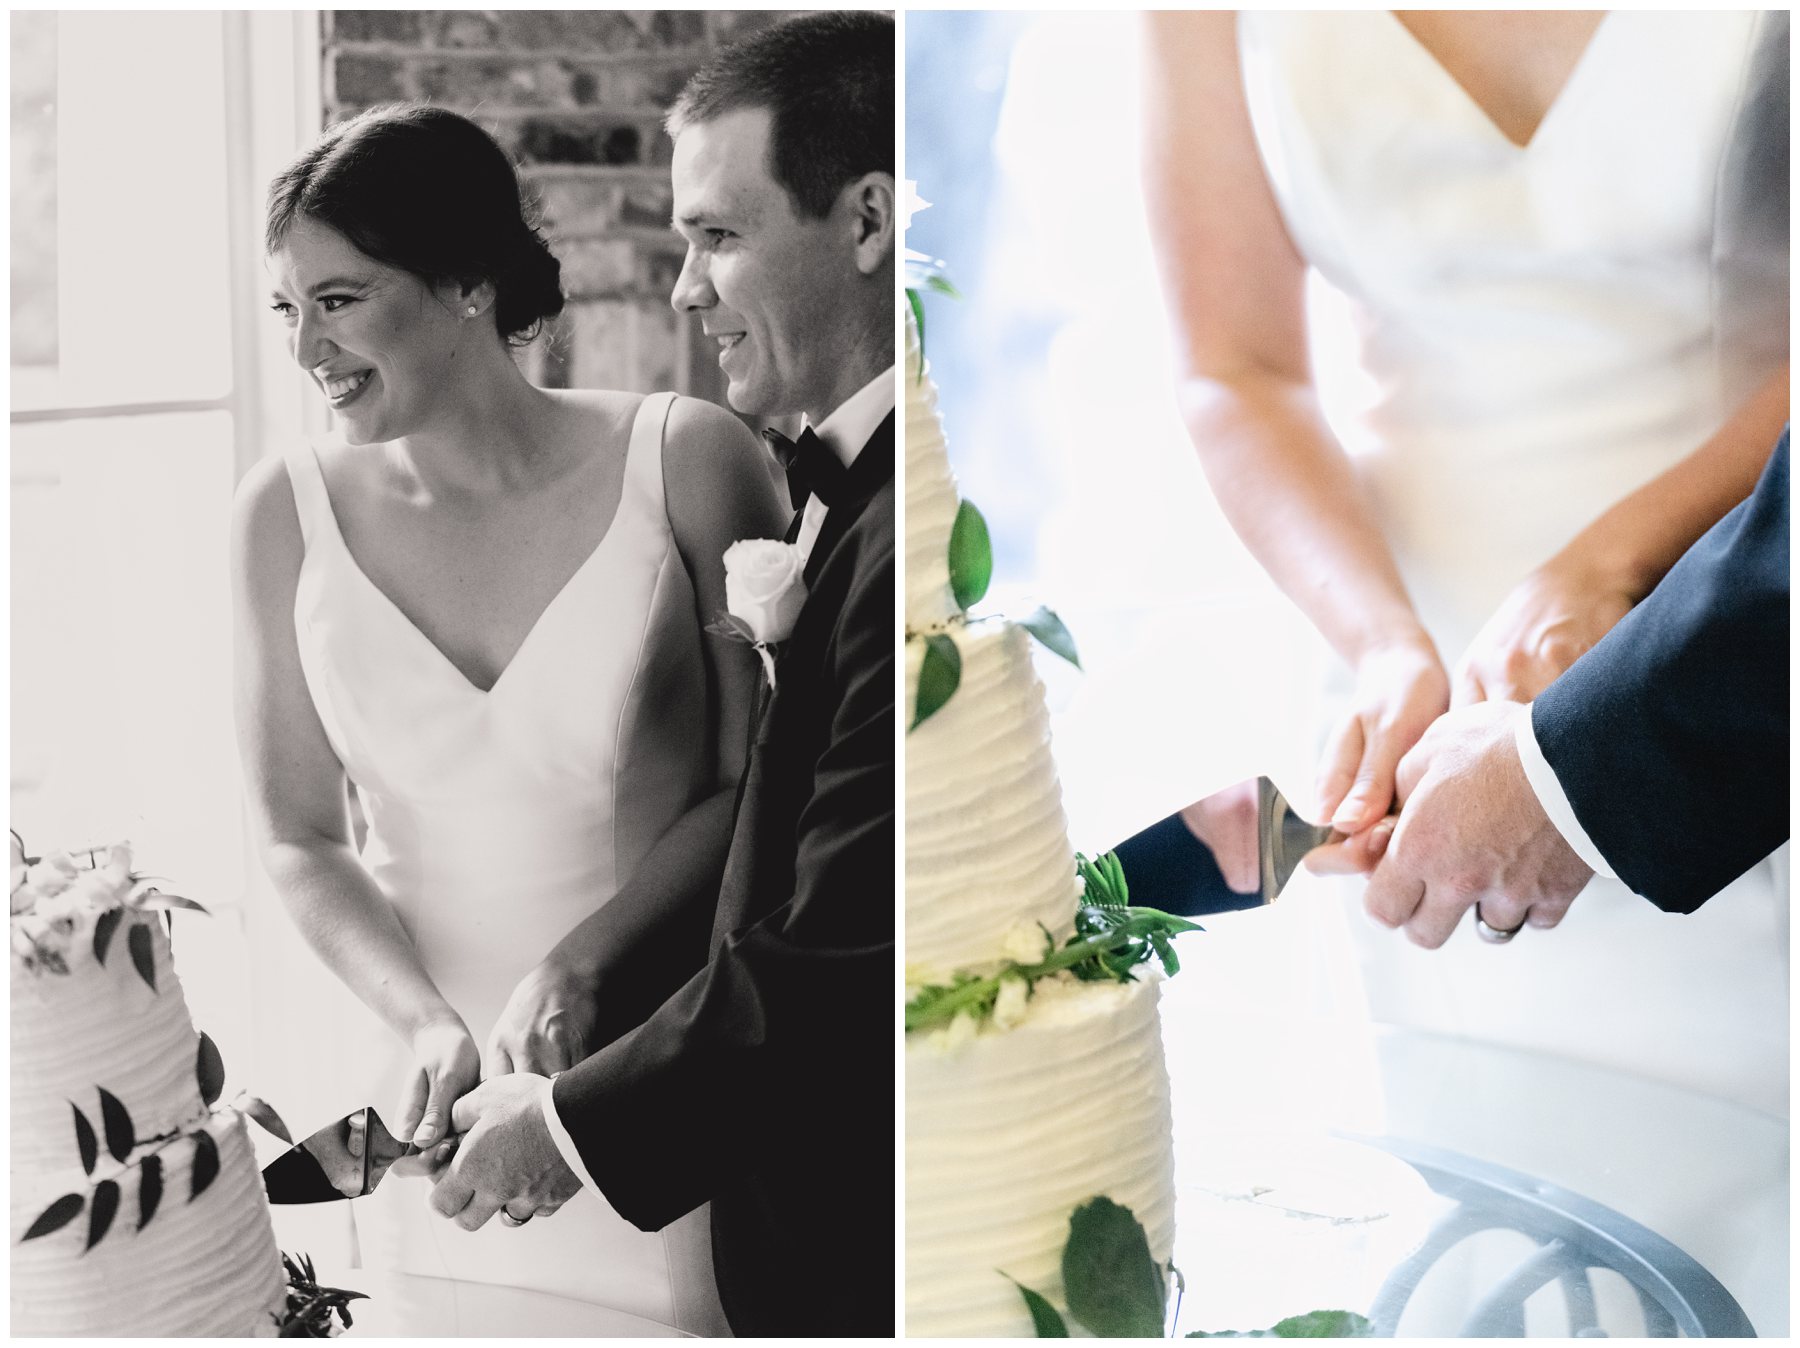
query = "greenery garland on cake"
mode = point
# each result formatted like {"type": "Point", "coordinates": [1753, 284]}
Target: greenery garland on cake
{"type": "Point", "coordinates": [1111, 940]}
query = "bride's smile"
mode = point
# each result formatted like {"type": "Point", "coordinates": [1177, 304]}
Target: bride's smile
{"type": "Point", "coordinates": [379, 343]}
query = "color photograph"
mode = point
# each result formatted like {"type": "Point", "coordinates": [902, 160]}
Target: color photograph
{"type": "Point", "coordinates": [1346, 633]}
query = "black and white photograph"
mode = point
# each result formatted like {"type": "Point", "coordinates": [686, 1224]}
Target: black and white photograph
{"type": "Point", "coordinates": [453, 673]}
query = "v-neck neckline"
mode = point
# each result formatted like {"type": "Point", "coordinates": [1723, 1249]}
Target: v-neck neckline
{"type": "Point", "coordinates": [1475, 106]}
{"type": "Point", "coordinates": [407, 620]}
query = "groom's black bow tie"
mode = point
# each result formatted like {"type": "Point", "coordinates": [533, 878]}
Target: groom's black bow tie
{"type": "Point", "coordinates": [811, 466]}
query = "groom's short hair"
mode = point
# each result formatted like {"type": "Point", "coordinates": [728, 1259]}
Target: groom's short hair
{"type": "Point", "coordinates": [828, 83]}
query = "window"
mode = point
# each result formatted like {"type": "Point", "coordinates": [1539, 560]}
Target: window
{"type": "Point", "coordinates": [137, 383]}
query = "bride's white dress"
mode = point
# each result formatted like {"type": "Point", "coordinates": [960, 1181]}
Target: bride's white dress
{"type": "Point", "coordinates": [1544, 328]}
{"type": "Point", "coordinates": [497, 821]}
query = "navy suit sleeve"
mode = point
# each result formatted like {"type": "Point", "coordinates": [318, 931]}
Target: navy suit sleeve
{"type": "Point", "coordinates": [1670, 736]}
{"type": "Point", "coordinates": [746, 1059]}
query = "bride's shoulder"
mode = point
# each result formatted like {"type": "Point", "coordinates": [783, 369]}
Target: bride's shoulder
{"type": "Point", "coordinates": [717, 477]}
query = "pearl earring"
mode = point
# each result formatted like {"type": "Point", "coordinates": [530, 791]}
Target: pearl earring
{"type": "Point", "coordinates": [472, 311]}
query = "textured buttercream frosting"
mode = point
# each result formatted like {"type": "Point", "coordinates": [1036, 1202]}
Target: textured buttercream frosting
{"type": "Point", "coordinates": [931, 499]}
{"type": "Point", "coordinates": [202, 1264]}
{"type": "Point", "coordinates": [99, 1026]}
{"type": "Point", "coordinates": [987, 845]}
{"type": "Point", "coordinates": [1009, 1131]}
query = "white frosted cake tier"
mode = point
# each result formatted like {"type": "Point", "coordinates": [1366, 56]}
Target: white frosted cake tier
{"type": "Point", "coordinates": [205, 1266]}
{"type": "Point", "coordinates": [931, 499]}
{"type": "Point", "coordinates": [1009, 1131]}
{"type": "Point", "coordinates": [99, 1026]}
{"type": "Point", "coordinates": [987, 846]}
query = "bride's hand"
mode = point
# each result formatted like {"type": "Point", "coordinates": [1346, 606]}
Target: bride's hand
{"type": "Point", "coordinates": [446, 1066]}
{"type": "Point", "coordinates": [1401, 689]}
{"type": "Point", "coordinates": [1540, 629]}
{"type": "Point", "coordinates": [546, 1024]}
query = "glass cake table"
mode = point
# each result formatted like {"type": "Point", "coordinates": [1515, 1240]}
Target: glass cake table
{"type": "Point", "coordinates": [1448, 1188]}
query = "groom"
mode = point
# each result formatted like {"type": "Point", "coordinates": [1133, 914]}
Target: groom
{"type": "Point", "coordinates": [762, 1079]}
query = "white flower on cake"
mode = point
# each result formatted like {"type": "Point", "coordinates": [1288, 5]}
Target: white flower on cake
{"type": "Point", "coordinates": [912, 205]}
{"type": "Point", "coordinates": [1024, 944]}
{"type": "Point", "coordinates": [46, 880]}
{"type": "Point", "coordinates": [1009, 1006]}
{"type": "Point", "coordinates": [94, 889]}
{"type": "Point", "coordinates": [765, 587]}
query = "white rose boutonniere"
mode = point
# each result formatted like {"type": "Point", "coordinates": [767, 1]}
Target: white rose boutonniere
{"type": "Point", "coordinates": [764, 589]}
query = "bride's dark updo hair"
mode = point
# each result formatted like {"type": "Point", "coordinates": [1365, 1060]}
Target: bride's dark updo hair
{"type": "Point", "coordinates": [422, 189]}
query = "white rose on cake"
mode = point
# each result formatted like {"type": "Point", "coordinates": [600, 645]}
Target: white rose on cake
{"type": "Point", "coordinates": [48, 878]}
{"type": "Point", "coordinates": [765, 586]}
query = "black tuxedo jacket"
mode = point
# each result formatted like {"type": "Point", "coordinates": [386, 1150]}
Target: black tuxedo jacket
{"type": "Point", "coordinates": [1670, 736]}
{"type": "Point", "coordinates": [763, 1079]}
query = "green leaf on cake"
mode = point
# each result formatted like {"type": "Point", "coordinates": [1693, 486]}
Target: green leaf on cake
{"type": "Point", "coordinates": [265, 1116]}
{"type": "Point", "coordinates": [1110, 1281]}
{"type": "Point", "coordinates": [971, 557]}
{"type": "Point", "coordinates": [121, 1133]}
{"type": "Point", "coordinates": [150, 1186]}
{"type": "Point", "coordinates": [206, 1163]}
{"type": "Point", "coordinates": [209, 1067]}
{"type": "Point", "coordinates": [84, 1139]}
{"type": "Point", "coordinates": [143, 954]}
{"type": "Point", "coordinates": [1049, 630]}
{"type": "Point", "coordinates": [1045, 1318]}
{"type": "Point", "coordinates": [916, 303]}
{"type": "Point", "coordinates": [106, 1203]}
{"type": "Point", "coordinates": [1312, 1325]}
{"type": "Point", "coordinates": [104, 928]}
{"type": "Point", "coordinates": [157, 899]}
{"type": "Point", "coordinates": [939, 673]}
{"type": "Point", "coordinates": [55, 1217]}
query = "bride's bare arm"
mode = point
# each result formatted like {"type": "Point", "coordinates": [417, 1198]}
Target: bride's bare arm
{"type": "Point", "coordinates": [296, 789]}
{"type": "Point", "coordinates": [617, 965]}
{"type": "Point", "coordinates": [1566, 605]}
{"type": "Point", "coordinates": [1234, 285]}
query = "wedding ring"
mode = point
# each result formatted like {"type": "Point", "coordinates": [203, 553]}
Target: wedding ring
{"type": "Point", "coordinates": [510, 1220]}
{"type": "Point", "coordinates": [1494, 935]}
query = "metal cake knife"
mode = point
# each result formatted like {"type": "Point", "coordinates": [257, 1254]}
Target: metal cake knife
{"type": "Point", "coordinates": [1236, 848]}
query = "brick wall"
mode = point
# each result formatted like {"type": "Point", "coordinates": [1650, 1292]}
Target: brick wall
{"type": "Point", "coordinates": [577, 97]}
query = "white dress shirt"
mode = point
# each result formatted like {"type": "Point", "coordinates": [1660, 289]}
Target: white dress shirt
{"type": "Point", "coordinates": [844, 432]}
{"type": "Point", "coordinates": [1552, 797]}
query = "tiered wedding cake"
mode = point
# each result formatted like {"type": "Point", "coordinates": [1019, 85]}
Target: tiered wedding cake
{"type": "Point", "coordinates": [137, 1208]}
{"type": "Point", "coordinates": [1014, 1117]}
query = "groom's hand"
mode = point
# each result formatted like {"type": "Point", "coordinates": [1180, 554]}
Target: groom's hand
{"type": "Point", "coordinates": [506, 1158]}
{"type": "Point", "coordinates": [1471, 831]}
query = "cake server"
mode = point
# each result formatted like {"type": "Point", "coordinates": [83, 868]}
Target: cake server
{"type": "Point", "coordinates": [344, 1159]}
{"type": "Point", "coordinates": [1236, 848]}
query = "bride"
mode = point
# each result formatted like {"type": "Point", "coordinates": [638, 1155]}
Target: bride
{"type": "Point", "coordinates": [1564, 237]}
{"type": "Point", "coordinates": [482, 606]}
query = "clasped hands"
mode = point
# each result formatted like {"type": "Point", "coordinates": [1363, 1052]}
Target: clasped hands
{"type": "Point", "coordinates": [1469, 829]}
{"type": "Point", "coordinates": [498, 1156]}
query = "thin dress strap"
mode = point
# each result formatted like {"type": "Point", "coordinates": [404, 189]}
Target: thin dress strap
{"type": "Point", "coordinates": [643, 455]}
{"type": "Point", "coordinates": [311, 501]}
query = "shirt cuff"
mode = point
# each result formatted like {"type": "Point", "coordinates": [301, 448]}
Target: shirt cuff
{"type": "Point", "coordinates": [560, 1135]}
{"type": "Point", "coordinates": [1553, 799]}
